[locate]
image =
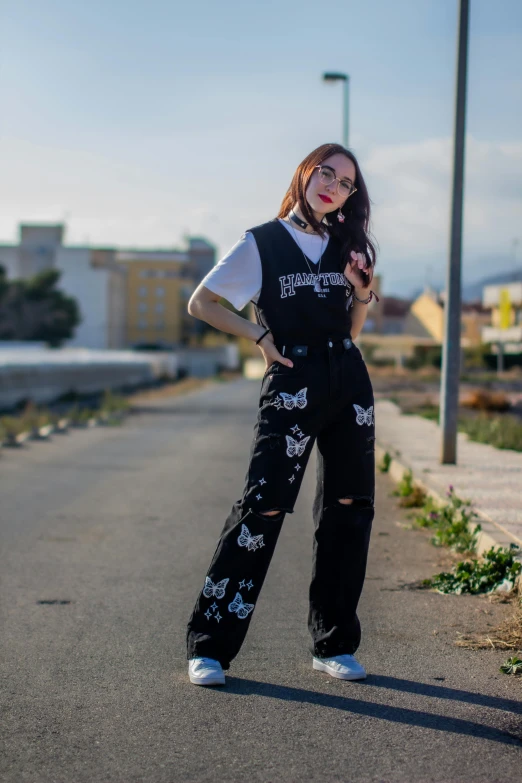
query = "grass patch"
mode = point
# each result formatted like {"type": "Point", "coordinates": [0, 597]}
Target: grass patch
{"type": "Point", "coordinates": [450, 522]}
{"type": "Point", "coordinates": [114, 403]}
{"type": "Point", "coordinates": [506, 636]}
{"type": "Point", "coordinates": [503, 432]}
{"type": "Point", "coordinates": [426, 411]}
{"type": "Point", "coordinates": [12, 425]}
{"type": "Point", "coordinates": [512, 666]}
{"type": "Point", "coordinates": [497, 567]}
{"type": "Point", "coordinates": [410, 494]}
{"type": "Point", "coordinates": [34, 417]}
{"type": "Point", "coordinates": [384, 464]}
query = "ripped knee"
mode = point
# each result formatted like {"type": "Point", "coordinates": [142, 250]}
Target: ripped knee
{"type": "Point", "coordinates": [360, 502]}
{"type": "Point", "coordinates": [270, 513]}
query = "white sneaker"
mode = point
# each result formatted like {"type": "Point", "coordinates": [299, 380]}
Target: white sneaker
{"type": "Point", "coordinates": [206, 671]}
{"type": "Point", "coordinates": [344, 667]}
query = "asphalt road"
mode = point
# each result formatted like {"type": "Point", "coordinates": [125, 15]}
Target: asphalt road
{"type": "Point", "coordinates": [120, 525]}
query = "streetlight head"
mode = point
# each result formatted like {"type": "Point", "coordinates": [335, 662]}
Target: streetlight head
{"type": "Point", "coordinates": [333, 77]}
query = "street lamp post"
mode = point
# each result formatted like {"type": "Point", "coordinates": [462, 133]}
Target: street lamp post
{"type": "Point", "coordinates": [449, 393]}
{"type": "Point", "coordinates": [343, 77]}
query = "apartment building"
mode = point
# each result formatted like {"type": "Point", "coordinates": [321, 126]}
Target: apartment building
{"type": "Point", "coordinates": [126, 297]}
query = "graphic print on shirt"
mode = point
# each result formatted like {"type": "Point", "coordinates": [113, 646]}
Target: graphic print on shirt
{"type": "Point", "coordinates": [215, 590]}
{"type": "Point", "coordinates": [239, 607]}
{"type": "Point", "coordinates": [363, 416]}
{"type": "Point", "coordinates": [287, 298]}
{"type": "Point", "coordinates": [291, 401]}
{"type": "Point", "coordinates": [292, 281]}
{"type": "Point", "coordinates": [249, 541]}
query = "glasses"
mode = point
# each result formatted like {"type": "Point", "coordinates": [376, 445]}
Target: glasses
{"type": "Point", "coordinates": [327, 176]}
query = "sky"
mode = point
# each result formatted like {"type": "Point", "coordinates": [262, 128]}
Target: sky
{"type": "Point", "coordinates": [138, 123]}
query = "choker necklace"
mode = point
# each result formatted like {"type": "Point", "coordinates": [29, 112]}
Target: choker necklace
{"type": "Point", "coordinates": [296, 219]}
{"type": "Point", "coordinates": [301, 223]}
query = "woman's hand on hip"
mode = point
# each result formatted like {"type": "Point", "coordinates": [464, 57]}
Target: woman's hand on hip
{"type": "Point", "coordinates": [270, 352]}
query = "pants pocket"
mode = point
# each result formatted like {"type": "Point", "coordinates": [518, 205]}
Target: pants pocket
{"type": "Point", "coordinates": [276, 368]}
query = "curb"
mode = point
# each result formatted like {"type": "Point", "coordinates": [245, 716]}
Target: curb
{"type": "Point", "coordinates": [489, 535]}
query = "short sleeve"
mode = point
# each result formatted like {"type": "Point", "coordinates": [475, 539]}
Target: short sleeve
{"type": "Point", "coordinates": [237, 276]}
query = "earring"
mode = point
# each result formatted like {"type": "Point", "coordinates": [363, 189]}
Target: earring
{"type": "Point", "coordinates": [340, 216]}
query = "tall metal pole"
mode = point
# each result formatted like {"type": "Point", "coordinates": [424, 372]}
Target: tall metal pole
{"type": "Point", "coordinates": [345, 115]}
{"type": "Point", "coordinates": [449, 397]}
{"type": "Point", "coordinates": [336, 77]}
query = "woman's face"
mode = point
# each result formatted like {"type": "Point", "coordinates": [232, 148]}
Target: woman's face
{"type": "Point", "coordinates": [326, 198]}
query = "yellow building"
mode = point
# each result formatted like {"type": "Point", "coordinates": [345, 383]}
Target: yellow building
{"type": "Point", "coordinates": [159, 285]}
{"type": "Point", "coordinates": [426, 319]}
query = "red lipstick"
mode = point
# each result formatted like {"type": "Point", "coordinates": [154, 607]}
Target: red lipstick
{"type": "Point", "coordinates": [327, 199]}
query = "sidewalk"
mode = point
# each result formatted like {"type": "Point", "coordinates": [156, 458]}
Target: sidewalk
{"type": "Point", "coordinates": [490, 478]}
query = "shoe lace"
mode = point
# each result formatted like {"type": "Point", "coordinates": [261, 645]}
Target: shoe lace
{"type": "Point", "coordinates": [336, 663]}
{"type": "Point", "coordinates": [204, 661]}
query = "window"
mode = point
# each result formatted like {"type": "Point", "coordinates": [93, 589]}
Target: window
{"type": "Point", "coordinates": [160, 291]}
{"type": "Point", "coordinates": [160, 325]}
{"type": "Point", "coordinates": [142, 323]}
{"type": "Point", "coordinates": [142, 307]}
{"type": "Point", "coordinates": [160, 307]}
{"type": "Point", "coordinates": [143, 290]}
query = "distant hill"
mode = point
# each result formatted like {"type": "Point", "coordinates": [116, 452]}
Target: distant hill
{"type": "Point", "coordinates": [473, 291]}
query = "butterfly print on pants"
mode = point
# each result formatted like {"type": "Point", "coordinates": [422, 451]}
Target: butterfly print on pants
{"type": "Point", "coordinates": [295, 448]}
{"type": "Point", "coordinates": [239, 607]}
{"type": "Point", "coordinates": [251, 542]}
{"type": "Point", "coordinates": [291, 401]}
{"type": "Point", "coordinates": [363, 416]}
{"type": "Point", "coordinates": [218, 590]}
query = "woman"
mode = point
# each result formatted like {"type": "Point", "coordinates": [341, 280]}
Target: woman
{"type": "Point", "coordinates": [308, 273]}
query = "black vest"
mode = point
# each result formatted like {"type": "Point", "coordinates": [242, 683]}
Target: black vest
{"type": "Point", "coordinates": [287, 302]}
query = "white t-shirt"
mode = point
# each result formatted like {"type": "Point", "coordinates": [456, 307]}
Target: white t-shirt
{"type": "Point", "coordinates": [237, 277]}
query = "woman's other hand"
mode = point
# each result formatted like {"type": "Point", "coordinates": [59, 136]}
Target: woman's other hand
{"type": "Point", "coordinates": [357, 271]}
{"type": "Point", "coordinates": [270, 352]}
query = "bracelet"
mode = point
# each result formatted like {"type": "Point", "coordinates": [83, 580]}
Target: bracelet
{"type": "Point", "coordinates": [368, 300]}
{"type": "Point", "coordinates": [258, 341]}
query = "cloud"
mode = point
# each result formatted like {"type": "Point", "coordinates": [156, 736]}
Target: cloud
{"type": "Point", "coordinates": [410, 186]}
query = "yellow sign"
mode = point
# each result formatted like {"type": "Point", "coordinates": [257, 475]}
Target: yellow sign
{"type": "Point", "coordinates": [504, 309]}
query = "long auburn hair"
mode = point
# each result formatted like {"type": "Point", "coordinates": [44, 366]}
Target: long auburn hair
{"type": "Point", "coordinates": [354, 233]}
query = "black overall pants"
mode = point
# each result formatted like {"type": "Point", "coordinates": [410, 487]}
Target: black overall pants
{"type": "Point", "coordinates": [325, 398]}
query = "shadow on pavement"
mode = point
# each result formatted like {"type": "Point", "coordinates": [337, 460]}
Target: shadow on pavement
{"type": "Point", "coordinates": [243, 687]}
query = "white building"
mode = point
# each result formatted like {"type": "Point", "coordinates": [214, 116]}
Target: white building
{"type": "Point", "coordinates": [101, 281]}
{"type": "Point", "coordinates": [98, 284]}
{"type": "Point", "coordinates": [90, 275]}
